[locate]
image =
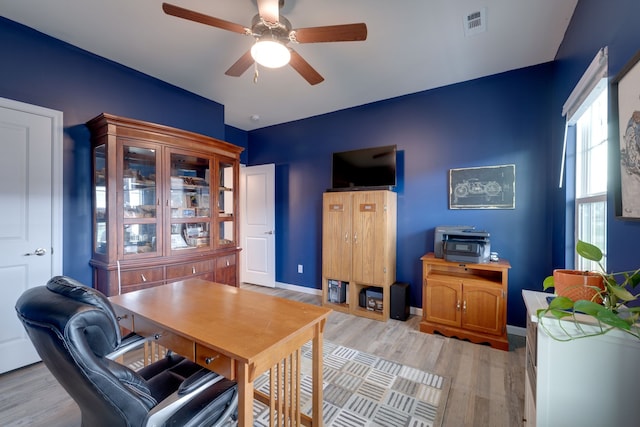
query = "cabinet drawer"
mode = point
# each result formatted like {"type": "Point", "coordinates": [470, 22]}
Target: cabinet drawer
{"type": "Point", "coordinates": [125, 318]}
{"type": "Point", "coordinates": [167, 339]}
{"type": "Point", "coordinates": [140, 276]}
{"type": "Point", "coordinates": [226, 270]}
{"type": "Point", "coordinates": [188, 269]}
{"type": "Point", "coordinates": [226, 261]}
{"type": "Point", "coordinates": [212, 360]}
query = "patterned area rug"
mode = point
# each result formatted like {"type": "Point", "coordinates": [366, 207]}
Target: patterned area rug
{"type": "Point", "coordinates": [361, 389]}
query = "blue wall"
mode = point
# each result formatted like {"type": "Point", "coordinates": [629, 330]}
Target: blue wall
{"type": "Point", "coordinates": [503, 119]}
{"type": "Point", "coordinates": [511, 118]}
{"type": "Point", "coordinates": [508, 118]}
{"type": "Point", "coordinates": [596, 24]}
{"type": "Point", "coordinates": [40, 70]}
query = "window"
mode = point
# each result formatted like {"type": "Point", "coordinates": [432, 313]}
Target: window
{"type": "Point", "coordinates": [591, 177]}
{"type": "Point", "coordinates": [586, 114]}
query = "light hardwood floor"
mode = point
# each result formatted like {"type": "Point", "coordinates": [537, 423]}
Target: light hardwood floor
{"type": "Point", "coordinates": [487, 386]}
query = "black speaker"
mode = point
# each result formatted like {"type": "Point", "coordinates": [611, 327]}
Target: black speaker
{"type": "Point", "coordinates": [399, 297]}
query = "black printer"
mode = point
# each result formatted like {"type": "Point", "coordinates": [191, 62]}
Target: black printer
{"type": "Point", "coordinates": [462, 244]}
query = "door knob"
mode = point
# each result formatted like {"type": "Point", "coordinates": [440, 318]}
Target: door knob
{"type": "Point", "coordinates": [38, 252]}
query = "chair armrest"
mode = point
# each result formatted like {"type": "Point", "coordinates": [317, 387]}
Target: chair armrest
{"type": "Point", "coordinates": [169, 406]}
{"type": "Point", "coordinates": [128, 343]}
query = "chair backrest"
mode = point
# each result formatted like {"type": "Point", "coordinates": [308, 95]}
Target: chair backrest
{"type": "Point", "coordinates": [73, 327]}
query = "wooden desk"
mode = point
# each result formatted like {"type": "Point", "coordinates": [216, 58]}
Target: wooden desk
{"type": "Point", "coordinates": [237, 333]}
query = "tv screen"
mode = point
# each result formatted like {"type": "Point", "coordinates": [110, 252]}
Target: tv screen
{"type": "Point", "coordinates": [364, 168]}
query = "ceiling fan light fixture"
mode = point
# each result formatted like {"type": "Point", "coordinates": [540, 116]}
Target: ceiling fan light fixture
{"type": "Point", "coordinates": [270, 53]}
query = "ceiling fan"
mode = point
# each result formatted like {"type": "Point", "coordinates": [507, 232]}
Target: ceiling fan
{"type": "Point", "coordinates": [273, 31]}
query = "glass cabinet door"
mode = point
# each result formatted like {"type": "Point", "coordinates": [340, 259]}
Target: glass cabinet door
{"type": "Point", "coordinates": [226, 204]}
{"type": "Point", "coordinates": [190, 202]}
{"type": "Point", "coordinates": [100, 229]}
{"type": "Point", "coordinates": [139, 200]}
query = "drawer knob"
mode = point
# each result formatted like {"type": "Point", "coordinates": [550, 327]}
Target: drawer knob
{"type": "Point", "coordinates": [209, 360]}
{"type": "Point", "coordinates": [156, 336]}
{"type": "Point", "coordinates": [144, 279]}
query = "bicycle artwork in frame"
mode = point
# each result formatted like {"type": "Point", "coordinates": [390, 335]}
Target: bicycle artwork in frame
{"type": "Point", "coordinates": [487, 187]}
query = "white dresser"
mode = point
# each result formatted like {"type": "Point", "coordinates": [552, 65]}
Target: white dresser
{"type": "Point", "coordinates": [584, 382]}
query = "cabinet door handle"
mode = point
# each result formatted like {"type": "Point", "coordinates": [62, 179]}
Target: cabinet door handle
{"type": "Point", "coordinates": [193, 269]}
{"type": "Point", "coordinates": [355, 238]}
{"type": "Point", "coordinates": [464, 306]}
{"type": "Point", "coordinates": [458, 305]}
{"type": "Point", "coordinates": [228, 263]}
{"type": "Point", "coordinates": [144, 279]}
{"type": "Point", "coordinates": [346, 237]}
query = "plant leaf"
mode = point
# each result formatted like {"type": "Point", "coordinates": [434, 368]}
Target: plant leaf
{"type": "Point", "coordinates": [561, 303]}
{"type": "Point", "coordinates": [602, 314]}
{"type": "Point", "coordinates": [588, 251]}
{"type": "Point", "coordinates": [621, 293]}
{"type": "Point", "coordinates": [634, 279]}
{"type": "Point", "coordinates": [610, 318]}
{"type": "Point", "coordinates": [548, 283]}
{"type": "Point", "coordinates": [588, 307]}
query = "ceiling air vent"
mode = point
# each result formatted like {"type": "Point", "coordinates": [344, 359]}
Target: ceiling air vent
{"type": "Point", "coordinates": [475, 22]}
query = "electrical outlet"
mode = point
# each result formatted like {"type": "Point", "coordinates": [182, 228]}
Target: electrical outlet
{"type": "Point", "coordinates": [300, 268]}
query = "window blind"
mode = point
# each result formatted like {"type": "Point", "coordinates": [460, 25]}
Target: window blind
{"type": "Point", "coordinates": [592, 82]}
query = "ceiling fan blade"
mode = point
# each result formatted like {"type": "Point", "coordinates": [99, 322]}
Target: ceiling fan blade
{"type": "Point", "coordinates": [332, 33]}
{"type": "Point", "coordinates": [304, 69]}
{"type": "Point", "coordinates": [269, 10]}
{"type": "Point", "coordinates": [190, 15]}
{"type": "Point", "coordinates": [241, 65]}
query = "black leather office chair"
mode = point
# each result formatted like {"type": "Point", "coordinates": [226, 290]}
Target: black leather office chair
{"type": "Point", "coordinates": [76, 333]}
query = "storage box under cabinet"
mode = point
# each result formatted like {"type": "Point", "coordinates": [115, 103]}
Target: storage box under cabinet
{"type": "Point", "coordinates": [338, 291]}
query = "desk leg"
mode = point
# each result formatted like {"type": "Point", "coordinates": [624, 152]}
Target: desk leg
{"type": "Point", "coordinates": [245, 396]}
{"type": "Point", "coordinates": [317, 375]}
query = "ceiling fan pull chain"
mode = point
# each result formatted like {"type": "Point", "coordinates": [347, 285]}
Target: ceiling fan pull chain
{"type": "Point", "coordinates": [255, 73]}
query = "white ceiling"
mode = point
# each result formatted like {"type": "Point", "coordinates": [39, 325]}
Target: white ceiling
{"type": "Point", "coordinates": [412, 45]}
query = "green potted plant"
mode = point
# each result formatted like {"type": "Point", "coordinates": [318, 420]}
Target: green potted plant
{"type": "Point", "coordinates": [607, 305]}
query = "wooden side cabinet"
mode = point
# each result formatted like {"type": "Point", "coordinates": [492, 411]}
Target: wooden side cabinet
{"type": "Point", "coordinates": [465, 300]}
{"type": "Point", "coordinates": [165, 205]}
{"type": "Point", "coordinates": [359, 249]}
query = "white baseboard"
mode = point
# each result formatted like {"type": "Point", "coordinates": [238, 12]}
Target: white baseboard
{"type": "Point", "coordinates": [517, 330]}
{"type": "Point", "coordinates": [417, 311]}
{"type": "Point", "coordinates": [298, 288]}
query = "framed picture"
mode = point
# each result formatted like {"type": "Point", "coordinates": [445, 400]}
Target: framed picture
{"type": "Point", "coordinates": [488, 187]}
{"type": "Point", "coordinates": [203, 200]}
{"type": "Point", "coordinates": [628, 91]}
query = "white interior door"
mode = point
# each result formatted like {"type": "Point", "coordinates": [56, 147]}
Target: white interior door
{"type": "Point", "coordinates": [257, 228]}
{"type": "Point", "coordinates": [31, 220]}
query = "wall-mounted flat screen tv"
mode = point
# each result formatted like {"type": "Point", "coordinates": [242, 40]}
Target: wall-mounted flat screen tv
{"type": "Point", "coordinates": [366, 168]}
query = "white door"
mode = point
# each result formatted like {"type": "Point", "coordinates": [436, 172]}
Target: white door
{"type": "Point", "coordinates": [31, 220]}
{"type": "Point", "coordinates": [257, 228]}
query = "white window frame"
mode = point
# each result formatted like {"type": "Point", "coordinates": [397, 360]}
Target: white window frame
{"type": "Point", "coordinates": [591, 85]}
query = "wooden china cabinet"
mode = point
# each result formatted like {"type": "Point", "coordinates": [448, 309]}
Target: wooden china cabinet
{"type": "Point", "coordinates": [165, 205]}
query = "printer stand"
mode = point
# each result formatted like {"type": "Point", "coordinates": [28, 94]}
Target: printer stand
{"type": "Point", "coordinates": [465, 300]}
